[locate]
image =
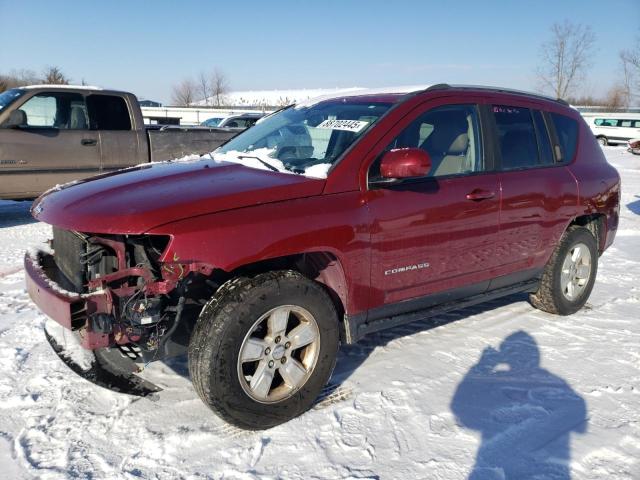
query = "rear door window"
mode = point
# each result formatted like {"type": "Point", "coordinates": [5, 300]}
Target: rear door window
{"type": "Point", "coordinates": [60, 110]}
{"type": "Point", "coordinates": [108, 112]}
{"type": "Point", "coordinates": [567, 133]}
{"type": "Point", "coordinates": [516, 137]}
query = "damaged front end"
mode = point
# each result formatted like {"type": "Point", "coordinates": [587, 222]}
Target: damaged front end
{"type": "Point", "coordinates": [117, 296]}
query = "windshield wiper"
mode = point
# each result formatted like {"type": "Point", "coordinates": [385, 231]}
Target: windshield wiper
{"type": "Point", "coordinates": [266, 164]}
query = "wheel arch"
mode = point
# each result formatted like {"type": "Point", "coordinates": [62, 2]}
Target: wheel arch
{"type": "Point", "coordinates": [323, 267]}
{"type": "Point", "coordinates": [596, 224]}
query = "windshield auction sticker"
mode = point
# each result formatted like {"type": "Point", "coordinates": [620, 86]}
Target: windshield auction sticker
{"type": "Point", "coordinates": [348, 125]}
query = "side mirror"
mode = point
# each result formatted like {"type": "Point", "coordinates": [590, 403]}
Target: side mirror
{"type": "Point", "coordinates": [17, 119]}
{"type": "Point", "coordinates": [405, 163]}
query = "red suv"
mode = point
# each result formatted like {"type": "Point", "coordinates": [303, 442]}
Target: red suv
{"type": "Point", "coordinates": [324, 222]}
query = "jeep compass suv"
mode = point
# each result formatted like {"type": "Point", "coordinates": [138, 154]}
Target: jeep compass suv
{"type": "Point", "coordinates": [324, 222]}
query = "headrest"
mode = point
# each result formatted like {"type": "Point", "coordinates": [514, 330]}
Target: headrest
{"type": "Point", "coordinates": [78, 120]}
{"type": "Point", "coordinates": [459, 145]}
{"type": "Point", "coordinates": [19, 117]}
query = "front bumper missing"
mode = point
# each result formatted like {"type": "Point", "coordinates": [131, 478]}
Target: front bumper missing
{"type": "Point", "coordinates": [69, 309]}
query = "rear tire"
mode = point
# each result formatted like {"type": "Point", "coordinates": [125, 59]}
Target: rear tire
{"type": "Point", "coordinates": [566, 284]}
{"type": "Point", "coordinates": [246, 331]}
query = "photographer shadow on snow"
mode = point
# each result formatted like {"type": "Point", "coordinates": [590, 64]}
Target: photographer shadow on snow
{"type": "Point", "coordinates": [634, 206]}
{"type": "Point", "coordinates": [525, 413]}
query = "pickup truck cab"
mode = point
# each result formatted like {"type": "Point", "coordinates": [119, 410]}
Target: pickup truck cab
{"type": "Point", "coordinates": [325, 222]}
{"type": "Point", "coordinates": [52, 134]}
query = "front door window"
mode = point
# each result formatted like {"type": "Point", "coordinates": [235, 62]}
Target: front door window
{"type": "Point", "coordinates": [63, 111]}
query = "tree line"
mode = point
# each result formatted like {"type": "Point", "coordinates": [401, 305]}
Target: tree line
{"type": "Point", "coordinates": [210, 88]}
{"type": "Point", "coordinates": [51, 75]}
{"type": "Point", "coordinates": [566, 58]}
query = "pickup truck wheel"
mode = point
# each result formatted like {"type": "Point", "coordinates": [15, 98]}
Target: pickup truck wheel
{"type": "Point", "coordinates": [263, 348]}
{"type": "Point", "coordinates": [569, 275]}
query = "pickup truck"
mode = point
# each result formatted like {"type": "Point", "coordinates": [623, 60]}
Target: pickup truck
{"type": "Point", "coordinates": [52, 134]}
{"type": "Point", "coordinates": [326, 222]}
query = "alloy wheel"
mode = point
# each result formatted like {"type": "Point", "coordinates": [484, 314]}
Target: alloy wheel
{"type": "Point", "coordinates": [279, 354]}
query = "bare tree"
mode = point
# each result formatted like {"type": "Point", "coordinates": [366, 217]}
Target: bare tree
{"type": "Point", "coordinates": [616, 98]}
{"type": "Point", "coordinates": [17, 78]}
{"type": "Point", "coordinates": [184, 93]}
{"type": "Point", "coordinates": [204, 87]}
{"type": "Point", "coordinates": [53, 76]}
{"type": "Point", "coordinates": [565, 58]}
{"type": "Point", "coordinates": [630, 63]}
{"type": "Point", "coordinates": [219, 86]}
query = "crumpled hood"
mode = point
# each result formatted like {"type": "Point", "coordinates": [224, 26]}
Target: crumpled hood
{"type": "Point", "coordinates": [135, 200]}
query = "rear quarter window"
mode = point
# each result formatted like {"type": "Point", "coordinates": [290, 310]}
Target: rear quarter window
{"type": "Point", "coordinates": [567, 132]}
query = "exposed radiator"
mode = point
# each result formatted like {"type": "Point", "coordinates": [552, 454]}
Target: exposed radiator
{"type": "Point", "coordinates": [69, 248]}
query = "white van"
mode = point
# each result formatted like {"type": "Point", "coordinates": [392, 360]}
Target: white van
{"type": "Point", "coordinates": [612, 129]}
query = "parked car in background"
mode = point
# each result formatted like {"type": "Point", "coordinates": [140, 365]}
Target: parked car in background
{"type": "Point", "coordinates": [633, 146]}
{"type": "Point", "coordinates": [243, 121]}
{"type": "Point", "coordinates": [325, 222]}
{"type": "Point", "coordinates": [51, 134]}
{"type": "Point", "coordinates": [212, 122]}
{"type": "Point", "coordinates": [614, 129]}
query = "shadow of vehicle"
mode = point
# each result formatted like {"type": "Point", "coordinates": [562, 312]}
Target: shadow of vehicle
{"type": "Point", "coordinates": [525, 413]}
{"type": "Point", "coordinates": [350, 357]}
{"type": "Point", "coordinates": [15, 213]}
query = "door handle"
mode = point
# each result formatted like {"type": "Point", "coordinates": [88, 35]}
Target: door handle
{"type": "Point", "coordinates": [87, 142]}
{"type": "Point", "coordinates": [480, 194]}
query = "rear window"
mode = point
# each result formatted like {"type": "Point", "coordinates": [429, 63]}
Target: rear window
{"type": "Point", "coordinates": [108, 112]}
{"type": "Point", "coordinates": [567, 132]}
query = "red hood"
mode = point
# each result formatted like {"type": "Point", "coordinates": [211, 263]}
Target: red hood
{"type": "Point", "coordinates": [135, 200]}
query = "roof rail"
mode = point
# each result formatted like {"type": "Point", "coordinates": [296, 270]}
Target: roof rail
{"type": "Point", "coordinates": [446, 86]}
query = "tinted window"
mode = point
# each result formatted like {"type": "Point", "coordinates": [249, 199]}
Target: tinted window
{"type": "Point", "coordinates": [516, 137]}
{"type": "Point", "coordinates": [544, 144]}
{"type": "Point", "coordinates": [108, 112]}
{"type": "Point", "coordinates": [64, 110]}
{"type": "Point", "coordinates": [567, 132]}
{"type": "Point", "coordinates": [237, 123]}
{"type": "Point", "coordinates": [451, 137]}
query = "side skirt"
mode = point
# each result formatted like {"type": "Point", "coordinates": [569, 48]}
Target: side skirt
{"type": "Point", "coordinates": [358, 326]}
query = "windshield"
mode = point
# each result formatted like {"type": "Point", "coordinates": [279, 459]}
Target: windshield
{"type": "Point", "coordinates": [9, 96]}
{"type": "Point", "coordinates": [303, 139]}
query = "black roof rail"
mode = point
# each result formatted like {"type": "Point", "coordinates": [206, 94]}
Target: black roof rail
{"type": "Point", "coordinates": [446, 86]}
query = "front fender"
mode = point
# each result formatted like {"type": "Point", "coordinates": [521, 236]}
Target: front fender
{"type": "Point", "coordinates": [336, 224]}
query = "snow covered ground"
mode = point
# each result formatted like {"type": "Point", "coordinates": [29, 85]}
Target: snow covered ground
{"type": "Point", "coordinates": [415, 402]}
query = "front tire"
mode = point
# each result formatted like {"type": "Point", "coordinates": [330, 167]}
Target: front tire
{"type": "Point", "coordinates": [570, 274]}
{"type": "Point", "coordinates": [263, 348]}
{"type": "Point", "coordinates": [604, 141]}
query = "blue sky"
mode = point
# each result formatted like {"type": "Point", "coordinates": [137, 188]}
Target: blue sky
{"type": "Point", "coordinates": [145, 47]}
